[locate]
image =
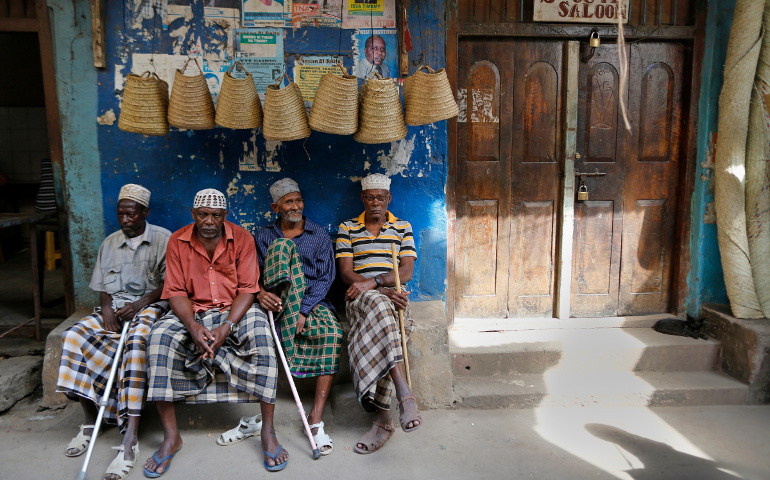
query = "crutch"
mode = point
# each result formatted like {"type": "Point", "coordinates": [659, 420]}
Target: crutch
{"type": "Point", "coordinates": [316, 452]}
{"type": "Point", "coordinates": [105, 398]}
{"type": "Point", "coordinates": [401, 314]}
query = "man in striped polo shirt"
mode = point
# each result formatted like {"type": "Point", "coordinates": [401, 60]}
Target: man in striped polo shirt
{"type": "Point", "coordinates": [374, 344]}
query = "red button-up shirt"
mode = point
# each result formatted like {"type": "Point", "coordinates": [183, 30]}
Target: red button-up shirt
{"type": "Point", "coordinates": [211, 282]}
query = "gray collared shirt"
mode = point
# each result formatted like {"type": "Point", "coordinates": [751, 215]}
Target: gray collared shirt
{"type": "Point", "coordinates": [128, 274]}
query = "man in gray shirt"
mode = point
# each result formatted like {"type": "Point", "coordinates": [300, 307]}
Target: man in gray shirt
{"type": "Point", "coordinates": [129, 274]}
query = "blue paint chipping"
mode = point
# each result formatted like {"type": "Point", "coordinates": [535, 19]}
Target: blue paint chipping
{"type": "Point", "coordinates": [327, 167]}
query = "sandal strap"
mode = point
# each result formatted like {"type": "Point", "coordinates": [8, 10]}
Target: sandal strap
{"type": "Point", "coordinates": [389, 428]}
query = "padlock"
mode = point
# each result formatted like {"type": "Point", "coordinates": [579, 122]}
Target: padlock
{"type": "Point", "coordinates": [582, 192]}
{"type": "Point", "coordinates": [593, 40]}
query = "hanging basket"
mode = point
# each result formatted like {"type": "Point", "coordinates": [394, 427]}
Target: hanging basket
{"type": "Point", "coordinates": [335, 107]}
{"type": "Point", "coordinates": [145, 105]}
{"type": "Point", "coordinates": [428, 97]}
{"type": "Point", "coordinates": [190, 106]}
{"type": "Point", "coordinates": [285, 114]}
{"type": "Point", "coordinates": [380, 118]}
{"type": "Point", "coordinates": [238, 105]}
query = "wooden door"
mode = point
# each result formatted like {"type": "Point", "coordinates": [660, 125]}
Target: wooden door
{"type": "Point", "coordinates": [508, 144]}
{"type": "Point", "coordinates": [624, 234]}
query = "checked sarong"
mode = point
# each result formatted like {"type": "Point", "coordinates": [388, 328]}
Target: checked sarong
{"type": "Point", "coordinates": [316, 351]}
{"type": "Point", "coordinates": [374, 345]}
{"type": "Point", "coordinates": [88, 350]}
{"type": "Point", "coordinates": [244, 369]}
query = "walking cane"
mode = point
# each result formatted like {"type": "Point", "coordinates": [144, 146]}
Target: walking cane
{"type": "Point", "coordinates": [401, 314]}
{"type": "Point", "coordinates": [105, 398]}
{"type": "Point", "coordinates": [316, 452]}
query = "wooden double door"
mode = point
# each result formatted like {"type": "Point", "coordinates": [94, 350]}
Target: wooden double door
{"type": "Point", "coordinates": [516, 150]}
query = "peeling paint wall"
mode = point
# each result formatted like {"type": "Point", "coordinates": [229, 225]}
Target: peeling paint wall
{"type": "Point", "coordinates": [327, 167]}
{"type": "Point", "coordinates": [705, 281]}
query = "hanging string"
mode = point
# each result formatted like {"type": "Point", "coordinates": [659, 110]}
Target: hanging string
{"type": "Point", "coordinates": [421, 57]}
{"type": "Point", "coordinates": [623, 66]}
{"type": "Point", "coordinates": [371, 38]}
{"type": "Point", "coordinates": [154, 34]}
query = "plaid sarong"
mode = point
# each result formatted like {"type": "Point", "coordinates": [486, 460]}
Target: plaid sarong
{"type": "Point", "coordinates": [243, 370]}
{"type": "Point", "coordinates": [316, 351]}
{"type": "Point", "coordinates": [88, 350]}
{"type": "Point", "coordinates": [374, 345]}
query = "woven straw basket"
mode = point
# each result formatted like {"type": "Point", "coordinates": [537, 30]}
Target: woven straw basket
{"type": "Point", "coordinates": [190, 105]}
{"type": "Point", "coordinates": [428, 97]}
{"type": "Point", "coordinates": [285, 114]}
{"type": "Point", "coordinates": [238, 105]}
{"type": "Point", "coordinates": [380, 118]}
{"type": "Point", "coordinates": [335, 107]}
{"type": "Point", "coordinates": [145, 105]}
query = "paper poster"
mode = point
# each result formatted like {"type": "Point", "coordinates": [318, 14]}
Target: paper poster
{"type": "Point", "coordinates": [260, 51]}
{"type": "Point", "coordinates": [375, 51]}
{"type": "Point", "coordinates": [214, 74]}
{"type": "Point", "coordinates": [229, 10]}
{"type": "Point", "coordinates": [316, 13]}
{"type": "Point", "coordinates": [308, 71]}
{"type": "Point", "coordinates": [266, 13]}
{"type": "Point", "coordinates": [165, 66]}
{"type": "Point", "coordinates": [369, 14]}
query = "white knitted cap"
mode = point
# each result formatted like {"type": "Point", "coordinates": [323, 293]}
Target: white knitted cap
{"type": "Point", "coordinates": [210, 198]}
{"type": "Point", "coordinates": [137, 193]}
{"type": "Point", "coordinates": [375, 181]}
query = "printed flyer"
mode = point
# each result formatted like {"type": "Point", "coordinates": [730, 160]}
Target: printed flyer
{"type": "Point", "coordinates": [266, 13]}
{"type": "Point", "coordinates": [323, 13]}
{"type": "Point", "coordinates": [369, 14]}
{"type": "Point", "coordinates": [308, 71]}
{"type": "Point", "coordinates": [260, 51]}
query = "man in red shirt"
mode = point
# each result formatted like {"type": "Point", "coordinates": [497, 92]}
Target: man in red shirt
{"type": "Point", "coordinates": [215, 345]}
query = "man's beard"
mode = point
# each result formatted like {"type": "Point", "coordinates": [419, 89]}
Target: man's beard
{"type": "Point", "coordinates": [292, 217]}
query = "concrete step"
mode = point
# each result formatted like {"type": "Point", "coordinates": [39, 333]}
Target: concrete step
{"type": "Point", "coordinates": [565, 388]}
{"type": "Point", "coordinates": [536, 351]}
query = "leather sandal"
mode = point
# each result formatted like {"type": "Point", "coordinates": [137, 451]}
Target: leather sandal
{"type": "Point", "coordinates": [371, 441]}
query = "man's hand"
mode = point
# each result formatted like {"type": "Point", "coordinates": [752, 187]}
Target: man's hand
{"type": "Point", "coordinates": [128, 311]}
{"type": "Point", "coordinates": [269, 301]}
{"type": "Point", "coordinates": [111, 322]}
{"type": "Point", "coordinates": [357, 288]}
{"type": "Point", "coordinates": [400, 300]}
{"type": "Point", "coordinates": [202, 338]}
{"type": "Point", "coordinates": [301, 324]}
{"type": "Point", "coordinates": [220, 335]}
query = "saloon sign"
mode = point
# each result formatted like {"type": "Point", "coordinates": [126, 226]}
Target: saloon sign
{"type": "Point", "coordinates": [582, 11]}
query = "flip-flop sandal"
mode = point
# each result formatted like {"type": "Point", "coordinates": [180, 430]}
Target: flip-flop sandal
{"type": "Point", "coordinates": [372, 442]}
{"type": "Point", "coordinates": [405, 419]}
{"type": "Point", "coordinates": [279, 466]}
{"type": "Point", "coordinates": [120, 466]}
{"type": "Point", "coordinates": [322, 439]}
{"type": "Point", "coordinates": [80, 441]}
{"type": "Point", "coordinates": [248, 427]}
{"type": "Point", "coordinates": [158, 462]}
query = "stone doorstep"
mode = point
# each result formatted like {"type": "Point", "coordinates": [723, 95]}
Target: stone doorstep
{"type": "Point", "coordinates": [745, 349]}
{"type": "Point", "coordinates": [428, 359]}
{"type": "Point", "coordinates": [19, 377]}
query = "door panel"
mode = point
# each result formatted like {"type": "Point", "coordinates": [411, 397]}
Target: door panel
{"type": "Point", "coordinates": [483, 151]}
{"type": "Point", "coordinates": [535, 176]}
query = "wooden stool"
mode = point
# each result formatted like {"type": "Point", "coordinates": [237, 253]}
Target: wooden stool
{"type": "Point", "coordinates": [51, 254]}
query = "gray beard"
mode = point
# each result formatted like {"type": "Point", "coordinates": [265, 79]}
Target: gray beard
{"type": "Point", "coordinates": [287, 217]}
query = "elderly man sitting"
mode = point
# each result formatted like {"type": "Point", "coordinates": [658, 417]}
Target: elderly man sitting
{"type": "Point", "coordinates": [129, 278]}
{"type": "Point", "coordinates": [365, 264]}
{"type": "Point", "coordinates": [297, 258]}
{"type": "Point", "coordinates": [213, 325]}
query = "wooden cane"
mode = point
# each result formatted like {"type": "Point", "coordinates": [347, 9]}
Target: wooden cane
{"type": "Point", "coordinates": [401, 314]}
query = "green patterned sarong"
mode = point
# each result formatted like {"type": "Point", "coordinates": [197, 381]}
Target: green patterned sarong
{"type": "Point", "coordinates": [316, 351]}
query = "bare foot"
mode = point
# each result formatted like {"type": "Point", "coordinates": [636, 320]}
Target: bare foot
{"type": "Point", "coordinates": [270, 444]}
{"type": "Point", "coordinates": [169, 447]}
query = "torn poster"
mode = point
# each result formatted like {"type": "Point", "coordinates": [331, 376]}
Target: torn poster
{"type": "Point", "coordinates": [375, 51]}
{"type": "Point", "coordinates": [316, 13]}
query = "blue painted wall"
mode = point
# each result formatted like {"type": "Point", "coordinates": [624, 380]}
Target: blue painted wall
{"type": "Point", "coordinates": [705, 280]}
{"type": "Point", "coordinates": [327, 167]}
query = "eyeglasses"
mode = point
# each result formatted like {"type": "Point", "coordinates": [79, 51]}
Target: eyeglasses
{"type": "Point", "coordinates": [379, 198]}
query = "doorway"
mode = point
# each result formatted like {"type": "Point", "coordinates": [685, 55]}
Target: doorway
{"type": "Point", "coordinates": [509, 200]}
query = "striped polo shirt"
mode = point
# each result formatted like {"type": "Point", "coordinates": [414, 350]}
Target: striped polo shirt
{"type": "Point", "coordinates": [372, 255]}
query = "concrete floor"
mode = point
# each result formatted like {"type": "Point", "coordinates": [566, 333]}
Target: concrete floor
{"type": "Point", "coordinates": [722, 442]}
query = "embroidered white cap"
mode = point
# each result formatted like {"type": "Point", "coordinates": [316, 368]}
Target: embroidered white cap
{"type": "Point", "coordinates": [137, 193]}
{"type": "Point", "coordinates": [375, 181]}
{"type": "Point", "coordinates": [210, 198]}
